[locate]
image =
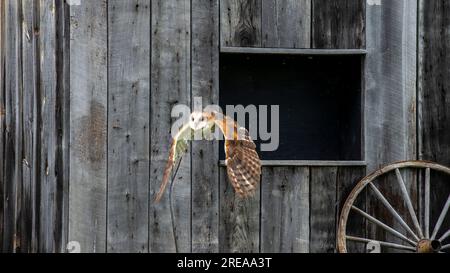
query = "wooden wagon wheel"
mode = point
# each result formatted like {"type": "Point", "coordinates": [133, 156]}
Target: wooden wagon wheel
{"type": "Point", "coordinates": [416, 238]}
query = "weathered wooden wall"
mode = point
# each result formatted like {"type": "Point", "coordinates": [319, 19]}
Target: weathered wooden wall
{"type": "Point", "coordinates": [85, 119]}
{"type": "Point", "coordinates": [320, 24]}
{"type": "Point", "coordinates": [34, 174]}
{"type": "Point", "coordinates": [434, 94]}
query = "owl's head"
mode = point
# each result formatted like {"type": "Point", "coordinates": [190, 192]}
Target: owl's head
{"type": "Point", "coordinates": [201, 120]}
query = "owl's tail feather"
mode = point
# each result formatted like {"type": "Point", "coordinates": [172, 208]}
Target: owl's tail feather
{"type": "Point", "coordinates": [243, 165]}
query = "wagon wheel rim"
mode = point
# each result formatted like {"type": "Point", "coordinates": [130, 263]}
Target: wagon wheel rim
{"type": "Point", "coordinates": [422, 239]}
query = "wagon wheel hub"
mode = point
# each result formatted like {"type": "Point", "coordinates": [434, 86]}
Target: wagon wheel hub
{"type": "Point", "coordinates": [429, 246]}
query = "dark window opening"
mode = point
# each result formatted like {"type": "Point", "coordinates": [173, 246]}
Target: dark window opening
{"type": "Point", "coordinates": [320, 101]}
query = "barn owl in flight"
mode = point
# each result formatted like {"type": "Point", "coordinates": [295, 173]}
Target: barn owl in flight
{"type": "Point", "coordinates": [242, 160]}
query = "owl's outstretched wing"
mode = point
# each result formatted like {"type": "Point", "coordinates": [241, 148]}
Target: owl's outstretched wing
{"type": "Point", "coordinates": [177, 149]}
{"type": "Point", "coordinates": [242, 160]}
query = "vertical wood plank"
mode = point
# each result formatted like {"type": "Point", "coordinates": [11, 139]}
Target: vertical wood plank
{"type": "Point", "coordinates": [240, 23]}
{"type": "Point", "coordinates": [434, 85]}
{"type": "Point", "coordinates": [323, 209]}
{"type": "Point", "coordinates": [338, 23]}
{"type": "Point", "coordinates": [2, 118]}
{"type": "Point", "coordinates": [390, 99]}
{"type": "Point", "coordinates": [88, 111]}
{"type": "Point", "coordinates": [170, 85]}
{"type": "Point", "coordinates": [30, 128]}
{"type": "Point", "coordinates": [128, 125]}
{"type": "Point", "coordinates": [63, 64]}
{"type": "Point", "coordinates": [12, 171]}
{"type": "Point", "coordinates": [51, 94]}
{"type": "Point", "coordinates": [205, 156]}
{"type": "Point", "coordinates": [18, 184]}
{"type": "Point", "coordinates": [347, 179]}
{"type": "Point", "coordinates": [239, 229]}
{"type": "Point", "coordinates": [285, 210]}
{"type": "Point", "coordinates": [286, 23]}
{"type": "Point", "coordinates": [434, 97]}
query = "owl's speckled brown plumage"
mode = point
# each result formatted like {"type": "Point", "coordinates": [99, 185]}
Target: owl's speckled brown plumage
{"type": "Point", "coordinates": [243, 165]}
{"type": "Point", "coordinates": [242, 160]}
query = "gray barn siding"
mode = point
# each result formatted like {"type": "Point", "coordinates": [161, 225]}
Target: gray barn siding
{"type": "Point", "coordinates": [12, 123]}
{"type": "Point", "coordinates": [347, 178]}
{"type": "Point", "coordinates": [30, 135]}
{"type": "Point", "coordinates": [239, 219]}
{"type": "Point", "coordinates": [323, 209]}
{"type": "Point", "coordinates": [321, 24]}
{"type": "Point", "coordinates": [390, 98]}
{"type": "Point", "coordinates": [88, 122]}
{"type": "Point", "coordinates": [2, 118]}
{"type": "Point", "coordinates": [131, 61]}
{"type": "Point", "coordinates": [205, 84]}
{"type": "Point", "coordinates": [32, 106]}
{"type": "Point", "coordinates": [390, 95]}
{"type": "Point", "coordinates": [240, 23]}
{"type": "Point", "coordinates": [338, 24]}
{"type": "Point", "coordinates": [285, 210]}
{"type": "Point", "coordinates": [286, 23]}
{"type": "Point", "coordinates": [268, 23]}
{"type": "Point", "coordinates": [128, 125]}
{"type": "Point", "coordinates": [170, 85]}
{"type": "Point", "coordinates": [51, 169]}
{"type": "Point", "coordinates": [63, 25]}
{"type": "Point", "coordinates": [434, 83]}
{"type": "Point", "coordinates": [434, 95]}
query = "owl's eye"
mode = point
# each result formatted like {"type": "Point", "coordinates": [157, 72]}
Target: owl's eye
{"type": "Point", "coordinates": [203, 119]}
{"type": "Point", "coordinates": [192, 119]}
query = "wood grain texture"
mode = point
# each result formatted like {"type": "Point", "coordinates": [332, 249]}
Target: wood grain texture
{"type": "Point", "coordinates": [240, 23]}
{"type": "Point", "coordinates": [170, 85]}
{"type": "Point", "coordinates": [205, 84]}
{"type": "Point", "coordinates": [285, 210]}
{"type": "Point", "coordinates": [389, 187]}
{"type": "Point", "coordinates": [347, 179]}
{"type": "Point", "coordinates": [2, 117]}
{"type": "Point", "coordinates": [35, 91]}
{"type": "Point", "coordinates": [434, 97]}
{"type": "Point", "coordinates": [30, 160]}
{"type": "Point", "coordinates": [63, 64]}
{"type": "Point", "coordinates": [434, 84]}
{"type": "Point", "coordinates": [390, 99]}
{"type": "Point", "coordinates": [12, 165]}
{"type": "Point", "coordinates": [128, 125]}
{"type": "Point", "coordinates": [88, 118]}
{"type": "Point", "coordinates": [323, 205]}
{"type": "Point", "coordinates": [286, 23]}
{"type": "Point", "coordinates": [239, 228]}
{"type": "Point", "coordinates": [51, 171]}
{"type": "Point", "coordinates": [338, 23]}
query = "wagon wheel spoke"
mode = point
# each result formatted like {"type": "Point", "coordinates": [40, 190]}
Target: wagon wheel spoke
{"type": "Point", "coordinates": [384, 226]}
{"type": "Point", "coordinates": [409, 204]}
{"type": "Point", "coordinates": [445, 236]}
{"type": "Point", "coordinates": [427, 203]}
{"type": "Point", "coordinates": [441, 218]}
{"type": "Point", "coordinates": [445, 247]}
{"type": "Point", "coordinates": [385, 244]}
{"type": "Point", "coordinates": [392, 210]}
